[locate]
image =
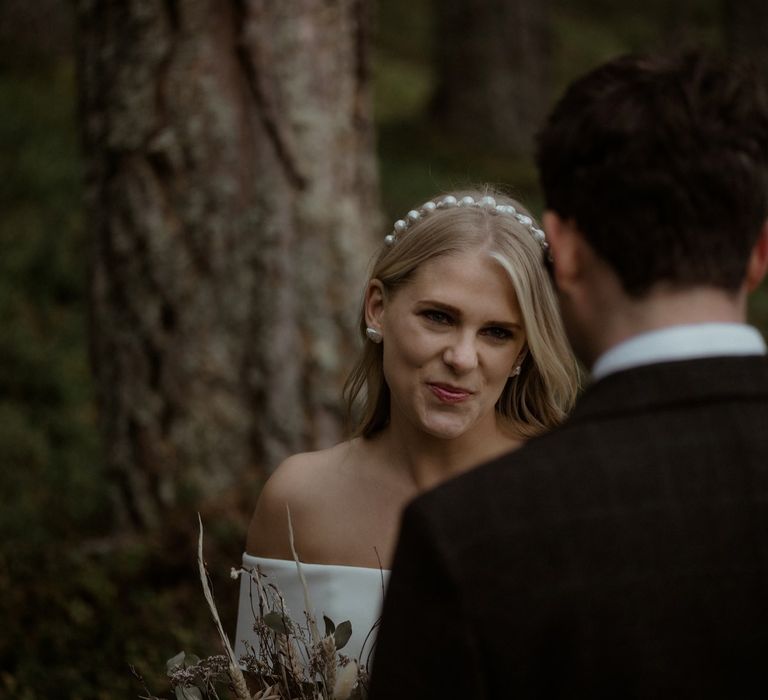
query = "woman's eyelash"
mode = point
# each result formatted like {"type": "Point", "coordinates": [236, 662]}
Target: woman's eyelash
{"type": "Point", "coordinates": [498, 332]}
{"type": "Point", "coordinates": [443, 318]}
{"type": "Point", "coordinates": [436, 316]}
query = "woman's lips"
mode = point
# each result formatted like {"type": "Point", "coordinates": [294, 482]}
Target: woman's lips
{"type": "Point", "coordinates": [449, 394]}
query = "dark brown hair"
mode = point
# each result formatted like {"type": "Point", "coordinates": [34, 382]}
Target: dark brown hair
{"type": "Point", "coordinates": [662, 163]}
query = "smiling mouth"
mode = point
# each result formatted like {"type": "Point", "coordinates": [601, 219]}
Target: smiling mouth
{"type": "Point", "coordinates": [449, 394]}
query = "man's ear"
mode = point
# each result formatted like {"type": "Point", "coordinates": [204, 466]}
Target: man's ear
{"type": "Point", "coordinates": [758, 261]}
{"type": "Point", "coordinates": [374, 304]}
{"type": "Point", "coordinates": [565, 247]}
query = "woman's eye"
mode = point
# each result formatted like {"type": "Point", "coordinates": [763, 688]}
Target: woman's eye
{"type": "Point", "coordinates": [498, 333]}
{"type": "Point", "coordinates": [436, 316]}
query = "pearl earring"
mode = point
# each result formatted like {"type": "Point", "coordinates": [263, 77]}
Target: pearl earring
{"type": "Point", "coordinates": [373, 335]}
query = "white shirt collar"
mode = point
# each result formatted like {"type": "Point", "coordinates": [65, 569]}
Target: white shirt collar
{"type": "Point", "coordinates": [681, 343]}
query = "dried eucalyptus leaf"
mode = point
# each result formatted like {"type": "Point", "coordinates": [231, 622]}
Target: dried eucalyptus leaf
{"type": "Point", "coordinates": [330, 628]}
{"type": "Point", "coordinates": [277, 622]}
{"type": "Point", "coordinates": [342, 634]}
{"type": "Point", "coordinates": [175, 662]}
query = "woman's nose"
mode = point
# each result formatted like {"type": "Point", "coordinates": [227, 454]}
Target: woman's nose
{"type": "Point", "coordinates": [461, 353]}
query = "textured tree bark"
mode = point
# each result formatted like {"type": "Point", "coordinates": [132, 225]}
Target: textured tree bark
{"type": "Point", "coordinates": [493, 70]}
{"type": "Point", "coordinates": [746, 30]}
{"type": "Point", "coordinates": [231, 189]}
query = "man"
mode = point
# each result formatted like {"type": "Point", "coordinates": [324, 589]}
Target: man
{"type": "Point", "coordinates": [624, 555]}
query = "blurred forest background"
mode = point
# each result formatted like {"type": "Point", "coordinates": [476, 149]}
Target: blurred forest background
{"type": "Point", "coordinates": [180, 268]}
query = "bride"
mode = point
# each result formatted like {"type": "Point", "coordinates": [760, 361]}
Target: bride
{"type": "Point", "coordinates": [464, 359]}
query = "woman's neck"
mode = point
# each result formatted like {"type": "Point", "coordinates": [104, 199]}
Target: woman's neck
{"type": "Point", "coordinates": [427, 460]}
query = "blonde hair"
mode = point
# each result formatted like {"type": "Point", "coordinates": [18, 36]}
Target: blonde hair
{"type": "Point", "coordinates": [543, 393]}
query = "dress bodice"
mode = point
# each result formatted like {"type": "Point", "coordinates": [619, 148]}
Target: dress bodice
{"type": "Point", "coordinates": [339, 592]}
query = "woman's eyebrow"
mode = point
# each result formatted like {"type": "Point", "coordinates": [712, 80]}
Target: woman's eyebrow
{"type": "Point", "coordinates": [443, 306]}
{"type": "Point", "coordinates": [440, 305]}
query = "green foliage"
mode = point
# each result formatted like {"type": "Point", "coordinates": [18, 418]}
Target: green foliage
{"type": "Point", "coordinates": [417, 159]}
{"type": "Point", "coordinates": [47, 433]}
{"type": "Point", "coordinates": [342, 634]}
{"type": "Point", "coordinates": [591, 31]}
{"type": "Point", "coordinates": [77, 620]}
{"type": "Point", "coordinates": [758, 309]}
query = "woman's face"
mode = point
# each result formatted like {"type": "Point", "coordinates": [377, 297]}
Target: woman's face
{"type": "Point", "coordinates": [452, 336]}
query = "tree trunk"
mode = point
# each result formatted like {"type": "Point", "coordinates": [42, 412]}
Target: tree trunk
{"type": "Point", "coordinates": [746, 30]}
{"type": "Point", "coordinates": [493, 70]}
{"type": "Point", "coordinates": [231, 189]}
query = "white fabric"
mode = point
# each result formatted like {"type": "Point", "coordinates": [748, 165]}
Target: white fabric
{"type": "Point", "coordinates": [340, 592]}
{"type": "Point", "coordinates": [681, 343]}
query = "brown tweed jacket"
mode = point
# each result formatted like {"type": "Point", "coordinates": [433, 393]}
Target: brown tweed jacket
{"type": "Point", "coordinates": [624, 555]}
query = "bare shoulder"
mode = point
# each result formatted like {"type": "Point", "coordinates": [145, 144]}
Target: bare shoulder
{"type": "Point", "coordinates": [301, 483]}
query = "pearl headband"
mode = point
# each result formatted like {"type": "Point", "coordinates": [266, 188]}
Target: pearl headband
{"type": "Point", "coordinates": [450, 201]}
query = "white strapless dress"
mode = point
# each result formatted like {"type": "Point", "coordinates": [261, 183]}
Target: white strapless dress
{"type": "Point", "coordinates": [339, 592]}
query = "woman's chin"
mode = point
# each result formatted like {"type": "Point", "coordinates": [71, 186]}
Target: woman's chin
{"type": "Point", "coordinates": [447, 429]}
